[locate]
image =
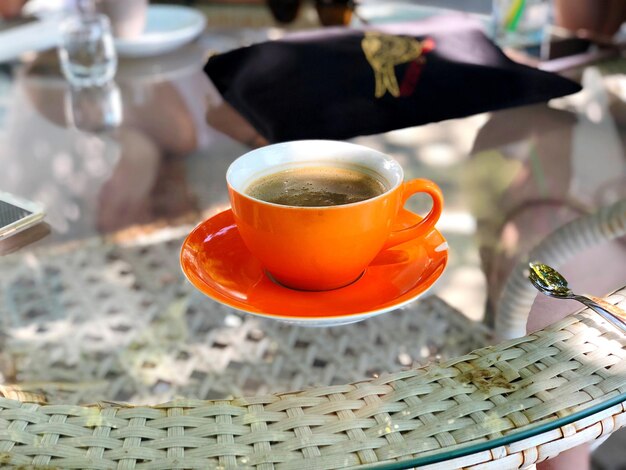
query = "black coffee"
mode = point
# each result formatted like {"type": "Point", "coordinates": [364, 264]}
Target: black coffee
{"type": "Point", "coordinates": [316, 187]}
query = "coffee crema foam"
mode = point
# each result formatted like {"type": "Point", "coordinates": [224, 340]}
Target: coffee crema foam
{"type": "Point", "coordinates": [317, 186]}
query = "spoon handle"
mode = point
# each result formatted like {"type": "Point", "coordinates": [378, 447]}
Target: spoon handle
{"type": "Point", "coordinates": [608, 311]}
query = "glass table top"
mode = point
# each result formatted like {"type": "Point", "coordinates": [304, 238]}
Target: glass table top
{"type": "Point", "coordinates": [93, 303]}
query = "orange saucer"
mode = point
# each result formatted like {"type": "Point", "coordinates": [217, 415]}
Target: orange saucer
{"type": "Point", "coordinates": [216, 261]}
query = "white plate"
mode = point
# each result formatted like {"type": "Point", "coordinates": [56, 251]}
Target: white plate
{"type": "Point", "coordinates": [397, 12]}
{"type": "Point", "coordinates": [37, 35]}
{"type": "Point", "coordinates": [391, 12]}
{"type": "Point", "coordinates": [167, 28]}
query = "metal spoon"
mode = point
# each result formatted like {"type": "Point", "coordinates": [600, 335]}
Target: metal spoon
{"type": "Point", "coordinates": [550, 282]}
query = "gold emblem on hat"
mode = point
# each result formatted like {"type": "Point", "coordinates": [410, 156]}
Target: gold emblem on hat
{"type": "Point", "coordinates": [384, 52]}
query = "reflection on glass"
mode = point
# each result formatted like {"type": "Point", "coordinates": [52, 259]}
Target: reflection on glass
{"type": "Point", "coordinates": [86, 6]}
{"type": "Point", "coordinates": [86, 50]}
{"type": "Point", "coordinates": [94, 109]}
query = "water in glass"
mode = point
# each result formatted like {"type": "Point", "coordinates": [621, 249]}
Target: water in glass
{"type": "Point", "coordinates": [86, 51]}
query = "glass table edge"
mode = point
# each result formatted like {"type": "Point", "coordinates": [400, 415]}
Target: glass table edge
{"type": "Point", "coordinates": [464, 451]}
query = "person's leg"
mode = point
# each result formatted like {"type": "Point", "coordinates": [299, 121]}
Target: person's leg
{"type": "Point", "coordinates": [576, 458]}
{"type": "Point", "coordinates": [126, 197]}
{"type": "Point", "coordinates": [11, 8]}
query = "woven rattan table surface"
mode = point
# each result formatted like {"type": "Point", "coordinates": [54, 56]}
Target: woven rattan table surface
{"type": "Point", "coordinates": [97, 320]}
{"type": "Point", "coordinates": [489, 393]}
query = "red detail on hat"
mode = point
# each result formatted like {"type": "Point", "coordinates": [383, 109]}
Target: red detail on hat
{"type": "Point", "coordinates": [414, 70]}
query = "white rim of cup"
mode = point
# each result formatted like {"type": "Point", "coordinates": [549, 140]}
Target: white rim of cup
{"type": "Point", "coordinates": [309, 145]}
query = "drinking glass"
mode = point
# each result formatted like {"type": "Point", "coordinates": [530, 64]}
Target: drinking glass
{"type": "Point", "coordinates": [86, 50]}
{"type": "Point", "coordinates": [519, 23]}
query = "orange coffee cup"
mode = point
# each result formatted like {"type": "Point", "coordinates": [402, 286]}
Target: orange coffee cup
{"type": "Point", "coordinates": [323, 248]}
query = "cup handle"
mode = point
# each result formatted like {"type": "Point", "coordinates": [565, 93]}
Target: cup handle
{"type": "Point", "coordinates": [408, 189]}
